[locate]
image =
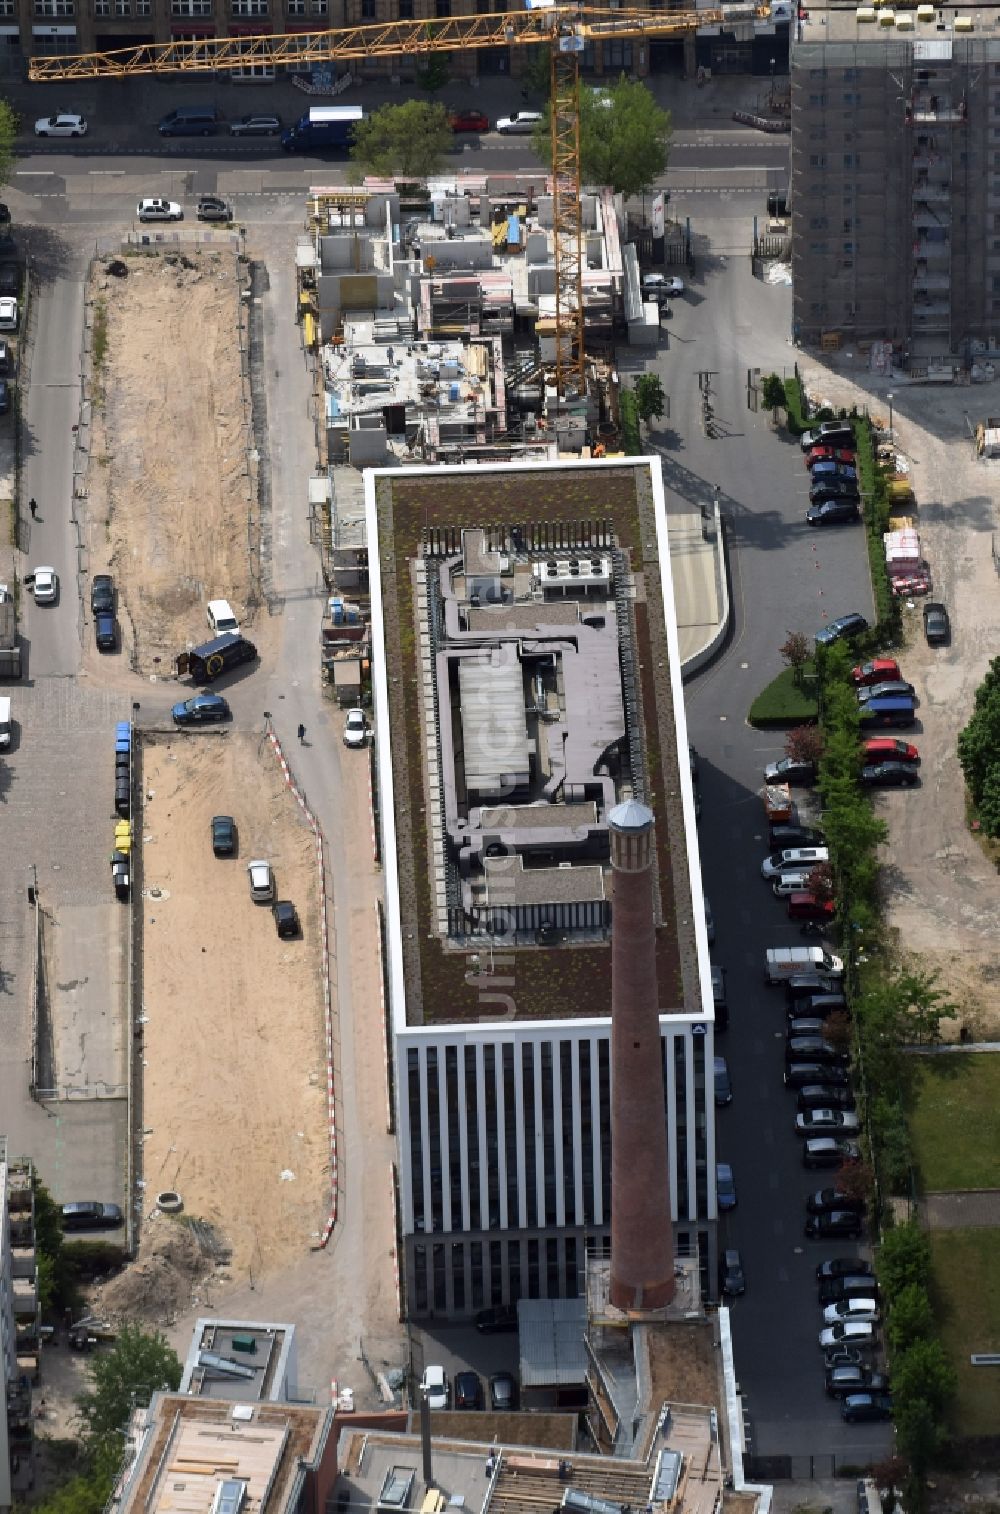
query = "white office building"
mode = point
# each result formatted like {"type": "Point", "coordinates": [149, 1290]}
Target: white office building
{"type": "Point", "coordinates": [526, 680]}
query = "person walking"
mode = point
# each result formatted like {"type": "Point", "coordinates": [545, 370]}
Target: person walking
{"type": "Point", "coordinates": [33, 507]}
{"type": "Point", "coordinates": [302, 734]}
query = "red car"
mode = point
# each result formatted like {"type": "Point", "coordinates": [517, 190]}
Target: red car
{"type": "Point", "coordinates": [889, 749]}
{"type": "Point", "coordinates": [805, 906]}
{"type": "Point", "coordinates": [829, 455]}
{"type": "Point", "coordinates": [468, 120]}
{"type": "Point", "coordinates": [880, 670]}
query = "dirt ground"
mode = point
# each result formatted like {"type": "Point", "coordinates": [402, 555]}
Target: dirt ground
{"type": "Point", "coordinates": [942, 893]}
{"type": "Point", "coordinates": [168, 484]}
{"type": "Point", "coordinates": [234, 1060]}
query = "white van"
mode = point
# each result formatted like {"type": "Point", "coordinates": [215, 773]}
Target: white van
{"type": "Point", "coordinates": [6, 729]}
{"type": "Point", "coordinates": [783, 962]}
{"type": "Point", "coordinates": [221, 617]}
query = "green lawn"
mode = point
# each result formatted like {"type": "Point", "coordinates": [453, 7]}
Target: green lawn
{"type": "Point", "coordinates": [782, 702]}
{"type": "Point", "coordinates": [954, 1119]}
{"type": "Point", "coordinates": [967, 1300]}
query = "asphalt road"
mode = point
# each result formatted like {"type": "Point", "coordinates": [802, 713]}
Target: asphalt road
{"type": "Point", "coordinates": [783, 576]}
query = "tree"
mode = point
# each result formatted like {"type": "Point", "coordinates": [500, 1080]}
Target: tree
{"type": "Point", "coordinates": [8, 132]}
{"type": "Point", "coordinates": [433, 76]}
{"type": "Point", "coordinates": [624, 137]}
{"type": "Point", "coordinates": [138, 1364]}
{"type": "Point", "coordinates": [796, 652]}
{"type": "Point", "coordinates": [819, 882]}
{"type": "Point", "coordinates": [536, 76]}
{"type": "Point", "coordinates": [910, 1318]}
{"type": "Point", "coordinates": [804, 743]}
{"type": "Point", "coordinates": [772, 395]}
{"type": "Point", "coordinates": [989, 803]}
{"type": "Point", "coordinates": [649, 397]}
{"type": "Point", "coordinates": [979, 742]}
{"type": "Point", "coordinates": [924, 1371]}
{"type": "Point", "coordinates": [904, 1259]}
{"type": "Point", "coordinates": [86, 1492]}
{"type": "Point", "coordinates": [407, 141]}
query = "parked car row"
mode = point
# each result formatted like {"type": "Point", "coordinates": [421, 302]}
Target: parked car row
{"type": "Point", "coordinates": [434, 1385]}
{"type": "Point", "coordinates": [834, 491]}
{"type": "Point", "coordinates": [208, 208]}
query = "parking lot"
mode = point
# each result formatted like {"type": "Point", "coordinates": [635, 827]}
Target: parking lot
{"type": "Point", "coordinates": [784, 576]}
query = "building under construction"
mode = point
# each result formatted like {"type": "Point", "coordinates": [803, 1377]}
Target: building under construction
{"type": "Point", "coordinates": [895, 188]}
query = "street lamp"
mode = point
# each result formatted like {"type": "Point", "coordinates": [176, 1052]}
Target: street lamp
{"type": "Point", "coordinates": [771, 101]}
{"type": "Point", "coordinates": [889, 397]}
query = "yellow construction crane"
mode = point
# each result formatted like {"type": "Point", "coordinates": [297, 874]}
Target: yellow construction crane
{"type": "Point", "coordinates": [565, 29]}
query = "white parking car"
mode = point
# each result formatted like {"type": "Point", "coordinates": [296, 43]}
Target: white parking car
{"type": "Point", "coordinates": [159, 210]}
{"type": "Point", "coordinates": [356, 728]}
{"type": "Point", "coordinates": [521, 124]}
{"type": "Point", "coordinates": [853, 1309]}
{"type": "Point", "coordinates": [661, 285]}
{"type": "Point", "coordinates": [9, 317]}
{"type": "Point", "coordinates": [61, 125]}
{"type": "Point", "coordinates": [45, 585]}
{"type": "Point", "coordinates": [261, 881]}
{"type": "Point", "coordinates": [435, 1384]}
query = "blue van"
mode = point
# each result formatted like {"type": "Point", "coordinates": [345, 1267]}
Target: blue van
{"type": "Point", "coordinates": [896, 711]}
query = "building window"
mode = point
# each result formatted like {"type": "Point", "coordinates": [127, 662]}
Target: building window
{"type": "Point", "coordinates": [144, 7]}
{"type": "Point", "coordinates": [817, 160]}
{"type": "Point", "coordinates": [458, 1275]}
{"type": "Point", "coordinates": [530, 1151]}
{"type": "Point", "coordinates": [296, 7]}
{"type": "Point", "coordinates": [405, 10]}
{"type": "Point", "coordinates": [552, 1275]}
{"type": "Point", "coordinates": [319, 7]}
{"type": "Point", "coordinates": [818, 248]}
{"type": "Point", "coordinates": [491, 1156]}
{"type": "Point", "coordinates": [368, 10]}
{"type": "Point", "coordinates": [440, 1280]}
{"type": "Point", "coordinates": [434, 1147]}
{"type": "Point", "coordinates": [817, 223]}
{"type": "Point", "coordinates": [569, 1136]}
{"type": "Point", "coordinates": [472, 1138]}
{"type": "Point", "coordinates": [101, 8]}
{"type": "Point", "coordinates": [476, 1269]}
{"type": "Point", "coordinates": [586, 1136]}
{"type": "Point", "coordinates": [852, 160]}
{"type": "Point", "coordinates": [454, 1135]}
{"type": "Point", "coordinates": [123, 7]}
{"type": "Point", "coordinates": [572, 1273]}
{"type": "Point", "coordinates": [55, 8]}
{"type": "Point", "coordinates": [819, 100]}
{"type": "Point", "coordinates": [496, 1272]}
{"type": "Point", "coordinates": [250, 7]}
{"type": "Point", "coordinates": [548, 1138]}
{"type": "Point", "coordinates": [510, 1133]}
{"type": "Point", "coordinates": [848, 223]}
{"type": "Point", "coordinates": [416, 1144]}
{"type": "Point", "coordinates": [442, 8]}
{"type": "Point", "coordinates": [604, 1097]}
{"type": "Point", "coordinates": [190, 7]}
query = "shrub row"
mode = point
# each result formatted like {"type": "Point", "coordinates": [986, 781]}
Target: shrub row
{"type": "Point", "coordinates": [979, 751]}
{"type": "Point", "coordinates": [890, 1012]}
{"type": "Point", "coordinates": [628, 416]}
{"type": "Point", "coordinates": [877, 508]}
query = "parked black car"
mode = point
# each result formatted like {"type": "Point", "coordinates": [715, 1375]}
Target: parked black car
{"type": "Point", "coordinates": [286, 921]}
{"type": "Point", "coordinates": [882, 775]}
{"type": "Point", "coordinates": [798, 1074]}
{"type": "Point", "coordinates": [732, 1278]}
{"type": "Point", "coordinates": [91, 1216]}
{"type": "Point", "coordinates": [784, 836]}
{"type": "Point", "coordinates": [840, 1224]}
{"type": "Point", "coordinates": [503, 1392]}
{"type": "Point", "coordinates": [843, 1380]}
{"type": "Point", "coordinates": [823, 1096]}
{"type": "Point", "coordinates": [223, 835]}
{"type": "Point", "coordinates": [937, 627]}
{"type": "Point", "coordinates": [102, 594]}
{"type": "Point", "coordinates": [843, 627]}
{"type": "Point", "coordinates": [833, 488]}
{"type": "Point", "coordinates": [832, 1290]}
{"type": "Point", "coordinates": [468, 1390]}
{"type": "Point", "coordinates": [833, 512]}
{"type": "Point", "coordinates": [826, 1200]}
{"type": "Point", "coordinates": [499, 1321]}
{"type": "Point", "coordinates": [843, 1266]}
{"type": "Point", "coordinates": [105, 631]}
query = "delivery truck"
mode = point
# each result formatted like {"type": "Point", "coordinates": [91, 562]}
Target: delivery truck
{"type": "Point", "coordinates": [202, 664]}
{"type": "Point", "coordinates": [10, 641]}
{"type": "Point", "coordinates": [786, 961]}
{"type": "Point", "coordinates": [323, 126]}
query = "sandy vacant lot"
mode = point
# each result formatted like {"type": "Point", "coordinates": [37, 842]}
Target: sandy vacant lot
{"type": "Point", "coordinates": [168, 459]}
{"type": "Point", "coordinates": [234, 1080]}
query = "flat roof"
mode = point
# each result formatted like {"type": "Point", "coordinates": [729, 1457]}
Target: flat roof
{"type": "Point", "coordinates": [929, 39]}
{"type": "Point", "coordinates": [465, 560]}
{"type": "Point", "coordinates": [192, 1446]}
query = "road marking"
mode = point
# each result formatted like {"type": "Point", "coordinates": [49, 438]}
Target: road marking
{"type": "Point", "coordinates": [106, 173]}
{"type": "Point", "coordinates": [35, 173]}
{"type": "Point", "coordinates": [732, 168]}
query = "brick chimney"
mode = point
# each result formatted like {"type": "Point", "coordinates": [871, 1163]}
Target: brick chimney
{"type": "Point", "coordinates": [642, 1250]}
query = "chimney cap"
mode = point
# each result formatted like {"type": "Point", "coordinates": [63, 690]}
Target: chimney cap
{"type": "Point", "coordinates": [630, 816]}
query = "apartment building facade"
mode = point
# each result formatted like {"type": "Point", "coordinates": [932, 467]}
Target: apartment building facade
{"type": "Point", "coordinates": [896, 182]}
